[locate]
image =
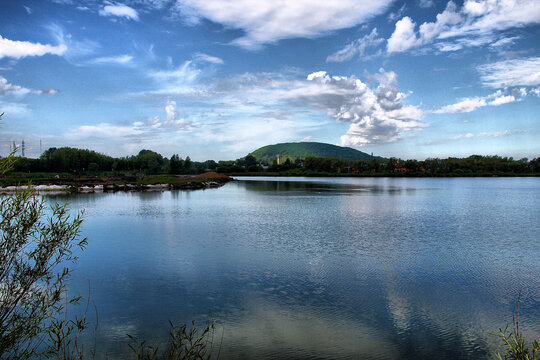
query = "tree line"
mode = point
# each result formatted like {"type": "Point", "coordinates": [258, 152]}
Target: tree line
{"type": "Point", "coordinates": [475, 165]}
{"type": "Point", "coordinates": [83, 161]}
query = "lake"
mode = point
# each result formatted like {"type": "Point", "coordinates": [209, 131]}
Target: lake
{"type": "Point", "coordinates": [316, 268]}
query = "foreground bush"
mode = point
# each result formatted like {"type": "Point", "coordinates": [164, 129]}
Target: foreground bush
{"type": "Point", "coordinates": [514, 343]}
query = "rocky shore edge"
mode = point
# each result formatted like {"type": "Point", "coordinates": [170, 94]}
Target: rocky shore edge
{"type": "Point", "coordinates": [203, 181]}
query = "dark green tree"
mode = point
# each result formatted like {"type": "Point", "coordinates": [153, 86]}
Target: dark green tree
{"type": "Point", "coordinates": [175, 164]}
{"type": "Point", "coordinates": [250, 161]}
{"type": "Point", "coordinates": [187, 165]}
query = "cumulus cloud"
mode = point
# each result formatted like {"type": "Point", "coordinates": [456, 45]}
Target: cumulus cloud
{"type": "Point", "coordinates": [467, 105]}
{"type": "Point", "coordinates": [376, 110]}
{"type": "Point", "coordinates": [21, 49]}
{"type": "Point", "coordinates": [376, 115]}
{"type": "Point", "coordinates": [513, 72]}
{"type": "Point", "coordinates": [471, 25]}
{"type": "Point", "coordinates": [268, 21]}
{"type": "Point", "coordinates": [356, 48]}
{"type": "Point", "coordinates": [403, 37]}
{"type": "Point", "coordinates": [172, 119]}
{"type": "Point", "coordinates": [119, 10]}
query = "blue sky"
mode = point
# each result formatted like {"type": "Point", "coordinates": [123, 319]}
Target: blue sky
{"type": "Point", "coordinates": [216, 79]}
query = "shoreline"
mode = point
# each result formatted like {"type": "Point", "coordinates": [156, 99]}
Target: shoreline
{"type": "Point", "coordinates": [379, 175]}
{"type": "Point", "coordinates": [113, 188]}
{"type": "Point", "coordinates": [112, 184]}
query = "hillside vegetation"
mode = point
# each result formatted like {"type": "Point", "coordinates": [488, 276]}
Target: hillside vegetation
{"type": "Point", "coordinates": [303, 150]}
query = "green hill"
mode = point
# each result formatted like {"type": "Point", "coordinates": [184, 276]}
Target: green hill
{"type": "Point", "coordinates": [301, 150]}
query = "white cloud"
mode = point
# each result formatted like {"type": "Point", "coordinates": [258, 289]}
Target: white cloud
{"type": "Point", "coordinates": [244, 134]}
{"type": "Point", "coordinates": [466, 136]}
{"type": "Point", "coordinates": [268, 21]}
{"type": "Point", "coordinates": [429, 30]}
{"type": "Point", "coordinates": [522, 92]}
{"type": "Point", "coordinates": [536, 91]}
{"type": "Point", "coordinates": [377, 112]}
{"type": "Point", "coordinates": [21, 49]}
{"type": "Point", "coordinates": [14, 109]}
{"type": "Point", "coordinates": [170, 109]}
{"type": "Point", "coordinates": [118, 60]}
{"type": "Point", "coordinates": [495, 15]}
{"type": "Point", "coordinates": [465, 42]}
{"type": "Point", "coordinates": [356, 48]}
{"type": "Point", "coordinates": [119, 10]}
{"type": "Point", "coordinates": [172, 120]}
{"type": "Point", "coordinates": [499, 134]}
{"type": "Point", "coordinates": [396, 15]}
{"type": "Point", "coordinates": [467, 105]}
{"type": "Point", "coordinates": [425, 3]}
{"type": "Point", "coordinates": [306, 139]}
{"type": "Point", "coordinates": [19, 91]}
{"type": "Point", "coordinates": [102, 131]}
{"type": "Point", "coordinates": [207, 58]}
{"type": "Point", "coordinates": [472, 25]}
{"type": "Point", "coordinates": [514, 72]}
{"type": "Point", "coordinates": [376, 115]}
{"type": "Point", "coordinates": [464, 106]}
{"type": "Point", "coordinates": [7, 88]}
{"type": "Point", "coordinates": [504, 41]}
{"type": "Point", "coordinates": [77, 51]}
{"type": "Point", "coordinates": [404, 37]}
{"type": "Point", "coordinates": [179, 80]}
{"type": "Point", "coordinates": [503, 100]}
{"type": "Point", "coordinates": [48, 92]}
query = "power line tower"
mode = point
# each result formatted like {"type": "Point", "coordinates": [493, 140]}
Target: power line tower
{"type": "Point", "coordinates": [22, 148]}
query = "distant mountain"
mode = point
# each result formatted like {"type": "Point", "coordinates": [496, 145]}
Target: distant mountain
{"type": "Point", "coordinates": [301, 150]}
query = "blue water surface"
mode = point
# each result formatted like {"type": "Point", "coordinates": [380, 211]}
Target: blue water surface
{"type": "Point", "coordinates": [316, 268]}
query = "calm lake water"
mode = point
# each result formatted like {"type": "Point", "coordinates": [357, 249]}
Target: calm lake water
{"type": "Point", "coordinates": [317, 268]}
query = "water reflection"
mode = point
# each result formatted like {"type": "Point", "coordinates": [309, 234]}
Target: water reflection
{"type": "Point", "coordinates": [322, 268]}
{"type": "Point", "coordinates": [309, 188]}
